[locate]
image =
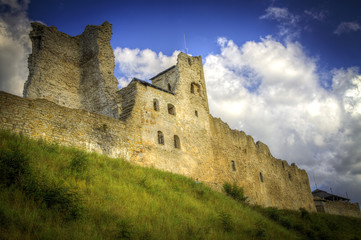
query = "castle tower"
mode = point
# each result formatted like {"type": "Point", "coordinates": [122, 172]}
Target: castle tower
{"type": "Point", "coordinates": [187, 82]}
{"type": "Point", "coordinates": [76, 72]}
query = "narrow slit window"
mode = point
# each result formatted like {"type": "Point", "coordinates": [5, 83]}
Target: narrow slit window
{"type": "Point", "coordinates": [192, 88]}
{"type": "Point", "coordinates": [261, 177]}
{"type": "Point", "coordinates": [156, 104]}
{"type": "Point", "coordinates": [169, 87]}
{"type": "Point", "coordinates": [171, 109]}
{"type": "Point", "coordinates": [196, 113]}
{"type": "Point", "coordinates": [234, 165]}
{"type": "Point", "coordinates": [283, 165]}
{"type": "Point", "coordinates": [160, 138]}
{"type": "Point", "coordinates": [176, 141]}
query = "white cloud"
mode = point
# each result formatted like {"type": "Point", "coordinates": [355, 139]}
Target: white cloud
{"type": "Point", "coordinates": [346, 27]}
{"type": "Point", "coordinates": [142, 64]}
{"type": "Point", "coordinates": [287, 22]}
{"type": "Point", "coordinates": [316, 15]}
{"type": "Point", "coordinates": [272, 92]}
{"type": "Point", "coordinates": [14, 45]}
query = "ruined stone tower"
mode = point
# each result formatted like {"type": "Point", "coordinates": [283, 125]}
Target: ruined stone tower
{"type": "Point", "coordinates": [76, 72]}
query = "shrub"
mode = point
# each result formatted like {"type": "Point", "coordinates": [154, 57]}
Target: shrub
{"type": "Point", "coordinates": [15, 170]}
{"type": "Point", "coordinates": [260, 232]}
{"type": "Point", "coordinates": [234, 192]}
{"type": "Point", "coordinates": [79, 162]}
{"type": "Point", "coordinates": [226, 221]}
{"type": "Point", "coordinates": [13, 166]}
{"type": "Point", "coordinates": [125, 229]}
{"type": "Point", "coordinates": [304, 214]}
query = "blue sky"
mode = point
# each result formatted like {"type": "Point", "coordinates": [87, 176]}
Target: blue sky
{"type": "Point", "coordinates": [285, 72]}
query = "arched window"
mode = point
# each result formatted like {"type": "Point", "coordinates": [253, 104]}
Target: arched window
{"type": "Point", "coordinates": [169, 87]}
{"type": "Point", "coordinates": [261, 177]}
{"type": "Point", "coordinates": [160, 138]}
{"type": "Point", "coordinates": [234, 165]}
{"type": "Point", "coordinates": [176, 141]}
{"type": "Point", "coordinates": [156, 104]}
{"type": "Point", "coordinates": [171, 109]}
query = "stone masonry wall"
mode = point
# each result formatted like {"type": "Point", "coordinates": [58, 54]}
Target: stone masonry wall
{"type": "Point", "coordinates": [338, 208]}
{"type": "Point", "coordinates": [76, 72]}
{"type": "Point", "coordinates": [281, 185]}
{"type": "Point", "coordinates": [54, 72]}
{"type": "Point", "coordinates": [49, 121]}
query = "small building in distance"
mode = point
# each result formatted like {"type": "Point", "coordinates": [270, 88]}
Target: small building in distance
{"type": "Point", "coordinates": [333, 204]}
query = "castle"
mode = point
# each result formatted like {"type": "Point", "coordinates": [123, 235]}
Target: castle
{"type": "Point", "coordinates": [71, 97]}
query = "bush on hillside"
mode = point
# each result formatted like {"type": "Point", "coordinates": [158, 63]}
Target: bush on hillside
{"type": "Point", "coordinates": [234, 192]}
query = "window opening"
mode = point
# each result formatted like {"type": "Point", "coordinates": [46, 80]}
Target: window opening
{"type": "Point", "coordinates": [160, 138]}
{"type": "Point", "coordinates": [169, 87]}
{"type": "Point", "coordinates": [195, 88]}
{"type": "Point", "coordinates": [234, 165]}
{"type": "Point", "coordinates": [261, 177]}
{"type": "Point", "coordinates": [196, 113]}
{"type": "Point", "coordinates": [171, 109]}
{"type": "Point", "coordinates": [283, 165]}
{"type": "Point", "coordinates": [156, 104]}
{"type": "Point", "coordinates": [176, 141]}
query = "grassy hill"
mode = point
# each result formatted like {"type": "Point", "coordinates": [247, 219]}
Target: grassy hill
{"type": "Point", "coordinates": [48, 191]}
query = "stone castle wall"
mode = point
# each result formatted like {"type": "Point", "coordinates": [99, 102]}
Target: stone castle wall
{"type": "Point", "coordinates": [267, 181]}
{"type": "Point", "coordinates": [338, 208]}
{"type": "Point", "coordinates": [41, 118]}
{"type": "Point", "coordinates": [126, 123]}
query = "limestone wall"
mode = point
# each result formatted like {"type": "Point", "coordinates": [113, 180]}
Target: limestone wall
{"type": "Point", "coordinates": [54, 72]}
{"type": "Point", "coordinates": [238, 159]}
{"type": "Point", "coordinates": [89, 131]}
{"type": "Point", "coordinates": [76, 72]}
{"type": "Point", "coordinates": [338, 208]}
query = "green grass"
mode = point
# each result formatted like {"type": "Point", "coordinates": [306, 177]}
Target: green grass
{"type": "Point", "coordinates": [48, 191]}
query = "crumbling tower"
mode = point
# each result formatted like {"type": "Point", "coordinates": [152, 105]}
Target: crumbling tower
{"type": "Point", "coordinates": [75, 72]}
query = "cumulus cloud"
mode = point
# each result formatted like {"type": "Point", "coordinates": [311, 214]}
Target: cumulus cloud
{"type": "Point", "coordinates": [346, 27]}
{"type": "Point", "coordinates": [141, 64]}
{"type": "Point", "coordinates": [14, 45]}
{"type": "Point", "coordinates": [272, 92]}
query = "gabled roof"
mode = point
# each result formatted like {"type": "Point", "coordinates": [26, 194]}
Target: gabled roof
{"type": "Point", "coordinates": [145, 83]}
{"type": "Point", "coordinates": [328, 196]}
{"type": "Point", "coordinates": [163, 72]}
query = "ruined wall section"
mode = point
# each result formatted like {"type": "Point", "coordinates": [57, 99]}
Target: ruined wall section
{"type": "Point", "coordinates": [40, 118]}
{"type": "Point", "coordinates": [98, 86]}
{"type": "Point", "coordinates": [126, 100]}
{"type": "Point", "coordinates": [338, 208]}
{"type": "Point", "coordinates": [76, 72]}
{"type": "Point", "coordinates": [238, 159]}
{"type": "Point", "coordinates": [54, 72]}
